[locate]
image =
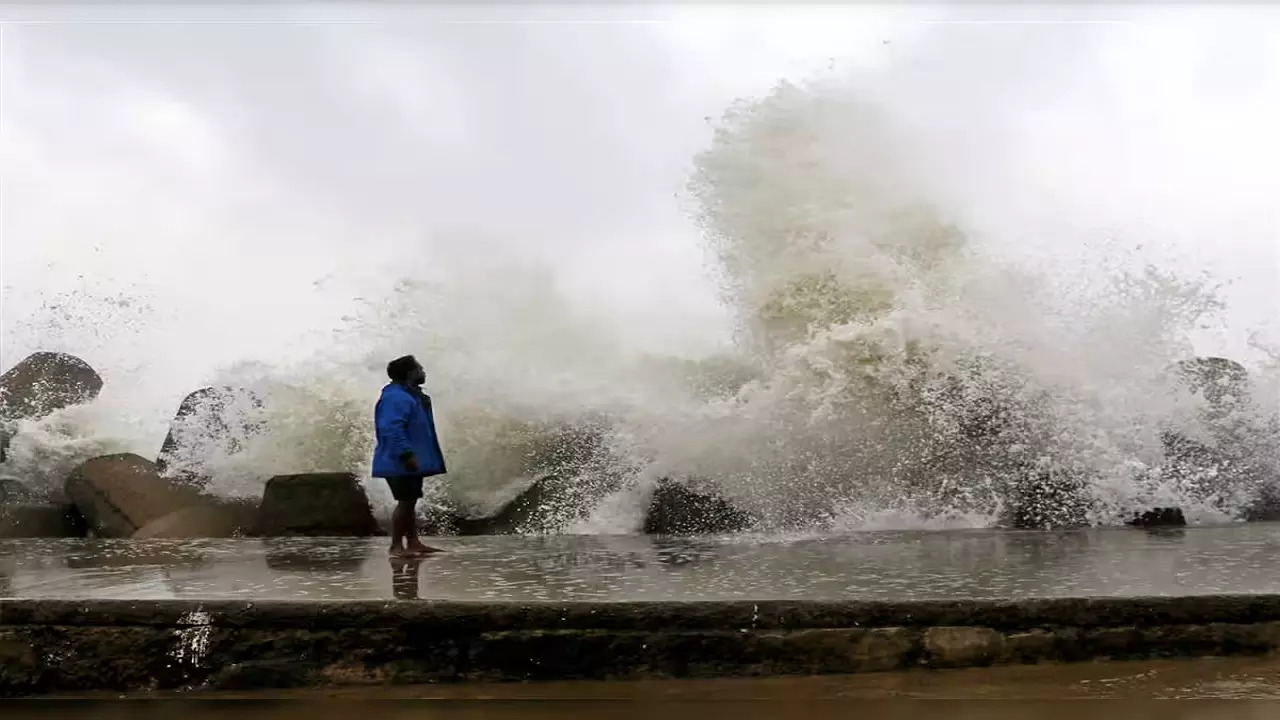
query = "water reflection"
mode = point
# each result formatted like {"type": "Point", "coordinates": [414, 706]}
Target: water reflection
{"type": "Point", "coordinates": [405, 573]}
{"type": "Point", "coordinates": [889, 565]}
{"type": "Point", "coordinates": [286, 554]}
{"type": "Point", "coordinates": [123, 553]}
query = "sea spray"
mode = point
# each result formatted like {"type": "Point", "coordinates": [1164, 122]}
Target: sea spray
{"type": "Point", "coordinates": [889, 368]}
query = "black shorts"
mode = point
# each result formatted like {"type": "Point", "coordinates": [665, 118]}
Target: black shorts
{"type": "Point", "coordinates": [406, 488]}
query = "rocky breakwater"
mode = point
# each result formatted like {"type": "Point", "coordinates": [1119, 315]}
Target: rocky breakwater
{"type": "Point", "coordinates": [129, 496]}
{"type": "Point", "coordinates": [49, 646]}
{"type": "Point", "coordinates": [39, 385]}
{"type": "Point", "coordinates": [124, 495]}
{"type": "Point", "coordinates": [674, 508]}
{"type": "Point", "coordinates": [568, 473]}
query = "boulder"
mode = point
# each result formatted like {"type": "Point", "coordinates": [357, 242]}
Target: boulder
{"type": "Point", "coordinates": [315, 505]}
{"type": "Point", "coordinates": [210, 421]}
{"type": "Point", "coordinates": [1219, 380]}
{"type": "Point", "coordinates": [542, 506]}
{"type": "Point", "coordinates": [220, 520]}
{"type": "Point", "coordinates": [45, 520]}
{"type": "Point", "coordinates": [1266, 506]}
{"type": "Point", "coordinates": [962, 646]}
{"type": "Point", "coordinates": [1159, 518]}
{"type": "Point", "coordinates": [1048, 499]}
{"type": "Point", "coordinates": [120, 494]}
{"type": "Point", "coordinates": [527, 512]}
{"type": "Point", "coordinates": [546, 505]}
{"type": "Point", "coordinates": [439, 520]}
{"type": "Point", "coordinates": [13, 492]}
{"type": "Point", "coordinates": [45, 382]}
{"type": "Point", "coordinates": [675, 509]}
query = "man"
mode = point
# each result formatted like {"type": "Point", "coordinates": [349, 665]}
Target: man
{"type": "Point", "coordinates": [407, 450]}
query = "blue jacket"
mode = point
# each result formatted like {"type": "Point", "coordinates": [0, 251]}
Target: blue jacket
{"type": "Point", "coordinates": [403, 422]}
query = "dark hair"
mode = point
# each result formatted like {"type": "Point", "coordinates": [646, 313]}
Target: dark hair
{"type": "Point", "coordinates": [398, 370]}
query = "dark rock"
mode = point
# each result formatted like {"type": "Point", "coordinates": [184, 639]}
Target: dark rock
{"type": "Point", "coordinates": [547, 503]}
{"type": "Point", "coordinates": [677, 510]}
{"type": "Point", "coordinates": [567, 468]}
{"type": "Point", "coordinates": [1221, 381]}
{"type": "Point", "coordinates": [1266, 507]}
{"type": "Point", "coordinates": [963, 646]}
{"type": "Point", "coordinates": [45, 382]}
{"type": "Point", "coordinates": [120, 494]}
{"type": "Point", "coordinates": [439, 520]}
{"type": "Point", "coordinates": [316, 505]}
{"type": "Point", "coordinates": [1044, 499]}
{"type": "Point", "coordinates": [13, 492]}
{"type": "Point", "coordinates": [214, 520]}
{"type": "Point", "coordinates": [528, 512]}
{"type": "Point", "coordinates": [40, 521]}
{"type": "Point", "coordinates": [210, 421]}
{"type": "Point", "coordinates": [1159, 517]}
{"type": "Point", "coordinates": [544, 506]}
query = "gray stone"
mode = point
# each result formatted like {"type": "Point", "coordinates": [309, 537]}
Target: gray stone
{"type": "Point", "coordinates": [882, 649]}
{"type": "Point", "coordinates": [527, 511]}
{"type": "Point", "coordinates": [1048, 499]}
{"type": "Point", "coordinates": [676, 509]}
{"type": "Point", "coordinates": [40, 521]}
{"type": "Point", "coordinates": [1031, 646]}
{"type": "Point", "coordinates": [316, 505]}
{"type": "Point", "coordinates": [544, 506]}
{"type": "Point", "coordinates": [13, 491]}
{"type": "Point", "coordinates": [209, 421]}
{"type": "Point", "coordinates": [1161, 517]}
{"type": "Point", "coordinates": [962, 646]}
{"type": "Point", "coordinates": [202, 521]}
{"type": "Point", "coordinates": [45, 382]}
{"type": "Point", "coordinates": [120, 494]}
{"type": "Point", "coordinates": [1221, 381]}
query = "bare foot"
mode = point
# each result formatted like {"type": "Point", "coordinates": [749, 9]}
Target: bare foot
{"type": "Point", "coordinates": [418, 549]}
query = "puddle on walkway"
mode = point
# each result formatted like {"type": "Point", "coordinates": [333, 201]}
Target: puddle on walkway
{"type": "Point", "coordinates": [885, 566]}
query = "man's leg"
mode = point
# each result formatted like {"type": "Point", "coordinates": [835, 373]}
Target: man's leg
{"type": "Point", "coordinates": [401, 525]}
{"type": "Point", "coordinates": [411, 542]}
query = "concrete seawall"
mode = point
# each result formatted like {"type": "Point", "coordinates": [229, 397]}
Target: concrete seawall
{"type": "Point", "coordinates": [77, 645]}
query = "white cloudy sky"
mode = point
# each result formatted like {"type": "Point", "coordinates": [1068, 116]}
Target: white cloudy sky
{"type": "Point", "coordinates": [247, 174]}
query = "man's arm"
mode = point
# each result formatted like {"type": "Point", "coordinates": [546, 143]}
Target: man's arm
{"type": "Point", "coordinates": [392, 422]}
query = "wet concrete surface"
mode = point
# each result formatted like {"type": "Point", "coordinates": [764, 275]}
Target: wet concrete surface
{"type": "Point", "coordinates": [1121, 562]}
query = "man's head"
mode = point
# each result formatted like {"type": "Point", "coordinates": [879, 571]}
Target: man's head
{"type": "Point", "coordinates": [406, 371]}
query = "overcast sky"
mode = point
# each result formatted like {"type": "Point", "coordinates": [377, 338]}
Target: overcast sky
{"type": "Point", "coordinates": [239, 183]}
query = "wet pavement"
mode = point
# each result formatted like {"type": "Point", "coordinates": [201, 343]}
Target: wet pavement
{"type": "Point", "coordinates": [874, 566]}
